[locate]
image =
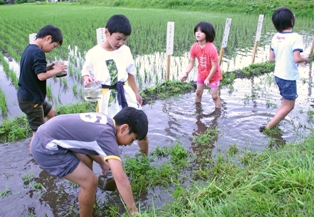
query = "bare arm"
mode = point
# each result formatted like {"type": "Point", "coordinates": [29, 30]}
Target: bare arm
{"type": "Point", "coordinates": [52, 72]}
{"type": "Point", "coordinates": [102, 163]}
{"type": "Point", "coordinates": [272, 57]}
{"type": "Point", "coordinates": [188, 69]}
{"type": "Point", "coordinates": [123, 184]}
{"type": "Point", "coordinates": [132, 83]}
{"type": "Point", "coordinates": [298, 59]}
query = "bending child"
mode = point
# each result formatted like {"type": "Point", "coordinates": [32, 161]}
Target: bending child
{"type": "Point", "coordinates": [34, 73]}
{"type": "Point", "coordinates": [286, 47]}
{"type": "Point", "coordinates": [111, 64]}
{"type": "Point", "coordinates": [95, 137]}
{"type": "Point", "coordinates": [209, 72]}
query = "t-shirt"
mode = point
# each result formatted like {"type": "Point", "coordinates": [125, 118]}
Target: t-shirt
{"type": "Point", "coordinates": [85, 133]}
{"type": "Point", "coordinates": [33, 62]}
{"type": "Point", "coordinates": [110, 67]}
{"type": "Point", "coordinates": [205, 56]}
{"type": "Point", "coordinates": [284, 44]}
{"type": "Point", "coordinates": [98, 59]}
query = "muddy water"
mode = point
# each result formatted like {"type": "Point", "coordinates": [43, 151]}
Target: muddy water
{"type": "Point", "coordinates": [247, 104]}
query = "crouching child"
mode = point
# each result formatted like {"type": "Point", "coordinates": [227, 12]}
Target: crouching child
{"type": "Point", "coordinates": [67, 145]}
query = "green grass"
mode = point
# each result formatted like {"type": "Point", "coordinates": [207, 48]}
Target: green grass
{"type": "Point", "coordinates": [269, 183]}
{"type": "Point", "coordinates": [301, 7]}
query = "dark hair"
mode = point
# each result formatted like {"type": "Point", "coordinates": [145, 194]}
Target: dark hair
{"type": "Point", "coordinates": [55, 32]}
{"type": "Point", "coordinates": [119, 23]}
{"type": "Point", "coordinates": [283, 18]}
{"type": "Point", "coordinates": [136, 119]}
{"type": "Point", "coordinates": [206, 28]}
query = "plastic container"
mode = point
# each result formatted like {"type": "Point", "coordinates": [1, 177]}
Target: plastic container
{"type": "Point", "coordinates": [107, 182]}
{"type": "Point", "coordinates": [92, 92]}
{"type": "Point", "coordinates": [64, 73]}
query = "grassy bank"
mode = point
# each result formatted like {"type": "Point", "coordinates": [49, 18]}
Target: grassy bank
{"type": "Point", "coordinates": [304, 8]}
{"type": "Point", "coordinates": [270, 183]}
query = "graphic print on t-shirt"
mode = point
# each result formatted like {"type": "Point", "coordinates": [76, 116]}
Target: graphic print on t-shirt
{"type": "Point", "coordinates": [202, 61]}
{"type": "Point", "coordinates": [94, 118]}
{"type": "Point", "coordinates": [113, 73]}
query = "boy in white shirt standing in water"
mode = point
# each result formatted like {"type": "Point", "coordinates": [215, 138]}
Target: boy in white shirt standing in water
{"type": "Point", "coordinates": [286, 47]}
{"type": "Point", "coordinates": [111, 64]}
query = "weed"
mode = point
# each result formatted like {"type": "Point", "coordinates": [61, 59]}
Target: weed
{"type": "Point", "coordinates": [232, 150]}
{"type": "Point", "coordinates": [6, 192]}
{"type": "Point", "coordinates": [28, 178]}
{"type": "Point", "coordinates": [206, 137]}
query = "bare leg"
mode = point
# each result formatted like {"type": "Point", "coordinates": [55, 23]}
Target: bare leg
{"type": "Point", "coordinates": [86, 160]}
{"type": "Point", "coordinates": [51, 114]}
{"type": "Point", "coordinates": [88, 182]}
{"type": "Point", "coordinates": [143, 144]}
{"type": "Point", "coordinates": [30, 144]}
{"type": "Point", "coordinates": [281, 113]}
{"type": "Point", "coordinates": [199, 92]}
{"type": "Point", "coordinates": [216, 97]}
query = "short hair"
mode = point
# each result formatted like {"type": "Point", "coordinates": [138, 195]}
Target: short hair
{"type": "Point", "coordinates": [55, 32]}
{"type": "Point", "coordinates": [136, 119]}
{"type": "Point", "coordinates": [283, 18]}
{"type": "Point", "coordinates": [119, 23]}
{"type": "Point", "coordinates": [206, 28]}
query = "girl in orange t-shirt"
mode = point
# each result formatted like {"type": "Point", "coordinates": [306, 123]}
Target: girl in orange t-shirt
{"type": "Point", "coordinates": [209, 72]}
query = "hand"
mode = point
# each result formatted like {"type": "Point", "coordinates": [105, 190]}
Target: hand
{"type": "Point", "coordinates": [139, 98]}
{"type": "Point", "coordinates": [50, 66]}
{"type": "Point", "coordinates": [59, 67]}
{"type": "Point", "coordinates": [184, 77]}
{"type": "Point", "coordinates": [105, 167]}
{"type": "Point", "coordinates": [206, 82]}
{"type": "Point", "coordinates": [88, 79]}
{"type": "Point", "coordinates": [134, 213]}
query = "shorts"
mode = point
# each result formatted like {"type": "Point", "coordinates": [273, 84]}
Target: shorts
{"type": "Point", "coordinates": [214, 84]}
{"type": "Point", "coordinates": [287, 88]}
{"type": "Point", "coordinates": [60, 162]}
{"type": "Point", "coordinates": [35, 113]}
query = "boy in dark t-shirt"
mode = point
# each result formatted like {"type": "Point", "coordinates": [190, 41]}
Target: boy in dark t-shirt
{"type": "Point", "coordinates": [34, 72]}
{"type": "Point", "coordinates": [67, 145]}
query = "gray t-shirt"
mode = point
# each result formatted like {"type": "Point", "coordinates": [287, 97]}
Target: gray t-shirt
{"type": "Point", "coordinates": [85, 133]}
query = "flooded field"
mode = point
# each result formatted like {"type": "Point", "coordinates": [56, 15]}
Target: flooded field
{"type": "Point", "coordinates": [247, 104]}
{"type": "Point", "coordinates": [27, 190]}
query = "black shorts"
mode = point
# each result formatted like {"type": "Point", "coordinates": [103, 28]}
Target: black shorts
{"type": "Point", "coordinates": [35, 113]}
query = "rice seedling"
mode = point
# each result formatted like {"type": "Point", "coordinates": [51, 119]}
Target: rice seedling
{"type": "Point", "coordinates": [49, 92]}
{"type": "Point", "coordinates": [3, 103]}
{"type": "Point", "coordinates": [74, 89]}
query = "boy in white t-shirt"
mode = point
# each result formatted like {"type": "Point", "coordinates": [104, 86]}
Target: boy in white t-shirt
{"type": "Point", "coordinates": [286, 47]}
{"type": "Point", "coordinates": [111, 64]}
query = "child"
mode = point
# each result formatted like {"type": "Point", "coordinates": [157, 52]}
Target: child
{"type": "Point", "coordinates": [286, 46]}
{"type": "Point", "coordinates": [33, 75]}
{"type": "Point", "coordinates": [209, 72]}
{"type": "Point", "coordinates": [95, 137]}
{"type": "Point", "coordinates": [111, 64]}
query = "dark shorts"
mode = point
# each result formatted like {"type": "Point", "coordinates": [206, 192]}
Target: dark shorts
{"type": "Point", "coordinates": [35, 113]}
{"type": "Point", "coordinates": [287, 88]}
{"type": "Point", "coordinates": [59, 162]}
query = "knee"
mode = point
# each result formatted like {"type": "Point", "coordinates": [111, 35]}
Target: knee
{"type": "Point", "coordinates": [51, 113]}
{"type": "Point", "coordinates": [215, 97]}
{"type": "Point", "coordinates": [92, 183]}
{"type": "Point", "coordinates": [199, 93]}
